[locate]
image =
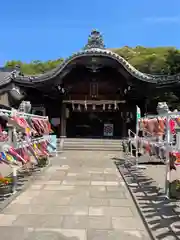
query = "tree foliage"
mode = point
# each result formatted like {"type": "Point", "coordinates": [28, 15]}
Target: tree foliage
{"type": "Point", "coordinates": [159, 60]}
{"type": "Point", "coordinates": [34, 67]}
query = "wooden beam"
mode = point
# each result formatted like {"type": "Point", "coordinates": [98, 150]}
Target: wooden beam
{"type": "Point", "coordinates": [100, 102]}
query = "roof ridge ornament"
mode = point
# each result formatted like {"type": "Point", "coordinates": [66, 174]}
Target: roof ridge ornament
{"type": "Point", "coordinates": [95, 40]}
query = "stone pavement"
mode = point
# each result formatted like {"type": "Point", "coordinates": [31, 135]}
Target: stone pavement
{"type": "Point", "coordinates": [161, 214]}
{"type": "Point", "coordinates": [80, 197]}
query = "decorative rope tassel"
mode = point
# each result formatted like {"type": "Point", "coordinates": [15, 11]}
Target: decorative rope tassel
{"type": "Point", "coordinates": [79, 107]}
{"type": "Point", "coordinates": [85, 105]}
{"type": "Point", "coordinates": [115, 105]}
{"type": "Point", "coordinates": [104, 107]}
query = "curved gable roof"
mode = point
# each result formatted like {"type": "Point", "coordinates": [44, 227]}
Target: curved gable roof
{"type": "Point", "coordinates": [94, 47]}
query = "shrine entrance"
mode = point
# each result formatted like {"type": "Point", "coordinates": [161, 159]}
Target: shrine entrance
{"type": "Point", "coordinates": [97, 121]}
{"type": "Point", "coordinates": [94, 125]}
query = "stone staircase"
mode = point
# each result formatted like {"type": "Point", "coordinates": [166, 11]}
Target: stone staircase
{"type": "Point", "coordinates": [89, 144]}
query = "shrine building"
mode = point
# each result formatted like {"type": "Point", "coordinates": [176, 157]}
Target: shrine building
{"type": "Point", "coordinates": [93, 93]}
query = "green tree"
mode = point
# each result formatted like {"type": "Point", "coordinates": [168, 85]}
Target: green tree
{"type": "Point", "coordinates": [160, 60]}
{"type": "Point", "coordinates": [173, 61]}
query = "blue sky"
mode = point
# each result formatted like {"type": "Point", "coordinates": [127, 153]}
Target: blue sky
{"type": "Point", "coordinates": [46, 30]}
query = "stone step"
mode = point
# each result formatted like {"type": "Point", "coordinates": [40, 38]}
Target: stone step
{"type": "Point", "coordinates": [90, 140]}
{"type": "Point", "coordinates": [90, 149]}
{"type": "Point", "coordinates": [90, 144]}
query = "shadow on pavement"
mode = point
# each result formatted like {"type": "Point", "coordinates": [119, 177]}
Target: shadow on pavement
{"type": "Point", "coordinates": [160, 214]}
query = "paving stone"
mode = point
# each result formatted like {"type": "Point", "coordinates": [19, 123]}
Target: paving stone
{"type": "Point", "coordinates": [38, 221]}
{"type": "Point", "coordinates": [22, 200]}
{"type": "Point", "coordinates": [97, 188]}
{"type": "Point", "coordinates": [96, 171]}
{"type": "Point", "coordinates": [57, 234]}
{"type": "Point", "coordinates": [120, 202]}
{"type": "Point", "coordinates": [72, 174]}
{"type": "Point", "coordinates": [89, 201]}
{"type": "Point", "coordinates": [57, 178]}
{"type": "Point", "coordinates": [63, 167]}
{"type": "Point", "coordinates": [112, 177]}
{"type": "Point", "coordinates": [110, 211]}
{"type": "Point", "coordinates": [75, 194]}
{"type": "Point", "coordinates": [30, 193]}
{"type": "Point", "coordinates": [24, 209]}
{"type": "Point", "coordinates": [44, 197]}
{"type": "Point", "coordinates": [12, 233]}
{"type": "Point", "coordinates": [104, 183]}
{"type": "Point", "coordinates": [58, 187]}
{"type": "Point", "coordinates": [67, 210]}
{"type": "Point", "coordinates": [36, 187]}
{"type": "Point", "coordinates": [116, 235]}
{"type": "Point", "coordinates": [52, 182]}
{"type": "Point", "coordinates": [85, 222]}
{"type": "Point", "coordinates": [128, 223]}
{"type": "Point", "coordinates": [59, 173]}
{"type": "Point", "coordinates": [7, 220]}
{"type": "Point", "coordinates": [64, 200]}
{"type": "Point", "coordinates": [61, 188]}
{"type": "Point", "coordinates": [40, 182]}
{"type": "Point", "coordinates": [97, 177]}
{"type": "Point", "coordinates": [111, 170]}
{"type": "Point", "coordinates": [115, 188]}
{"type": "Point", "coordinates": [102, 194]}
{"type": "Point", "coordinates": [76, 182]}
{"type": "Point", "coordinates": [78, 176]}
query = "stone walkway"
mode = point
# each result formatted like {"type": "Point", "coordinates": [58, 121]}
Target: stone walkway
{"type": "Point", "coordinates": [161, 214]}
{"type": "Point", "coordinates": [80, 197]}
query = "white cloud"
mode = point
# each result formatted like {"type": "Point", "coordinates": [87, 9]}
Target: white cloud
{"type": "Point", "coordinates": [166, 19]}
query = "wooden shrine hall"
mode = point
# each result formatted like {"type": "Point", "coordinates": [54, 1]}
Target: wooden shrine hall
{"type": "Point", "coordinates": [93, 93]}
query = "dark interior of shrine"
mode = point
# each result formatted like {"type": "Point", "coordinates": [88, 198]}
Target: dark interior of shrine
{"type": "Point", "coordinates": [91, 123]}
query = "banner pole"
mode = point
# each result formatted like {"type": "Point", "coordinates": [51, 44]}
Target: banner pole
{"type": "Point", "coordinates": [138, 116]}
{"type": "Point", "coordinates": [167, 144]}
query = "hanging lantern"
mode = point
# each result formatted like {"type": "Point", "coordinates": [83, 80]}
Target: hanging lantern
{"type": "Point", "coordinates": [94, 107]}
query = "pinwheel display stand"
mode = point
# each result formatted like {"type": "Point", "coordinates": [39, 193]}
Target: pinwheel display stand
{"type": "Point", "coordinates": [158, 137]}
{"type": "Point", "coordinates": [24, 146]}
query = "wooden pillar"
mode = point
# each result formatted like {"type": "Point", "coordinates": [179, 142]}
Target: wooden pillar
{"type": "Point", "coordinates": [63, 121]}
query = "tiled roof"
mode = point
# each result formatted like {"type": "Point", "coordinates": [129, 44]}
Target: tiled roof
{"type": "Point", "coordinates": [5, 76]}
{"type": "Point", "coordinates": [156, 79]}
{"type": "Point", "coordinates": [94, 47]}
